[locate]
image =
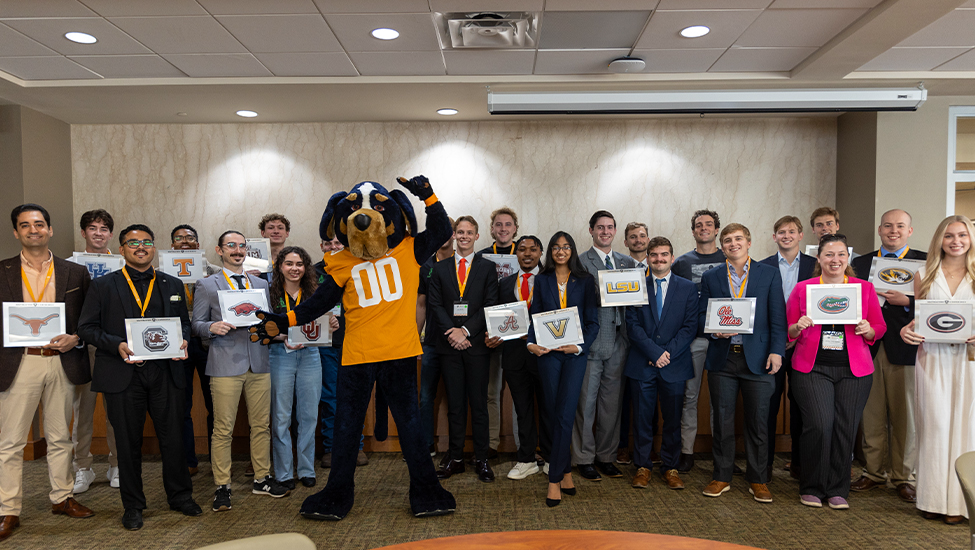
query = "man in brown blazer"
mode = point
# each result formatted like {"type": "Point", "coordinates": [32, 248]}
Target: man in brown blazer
{"type": "Point", "coordinates": [45, 374]}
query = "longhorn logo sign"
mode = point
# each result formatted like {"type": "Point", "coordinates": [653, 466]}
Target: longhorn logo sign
{"type": "Point", "coordinates": [510, 323]}
{"type": "Point", "coordinates": [36, 324]}
{"type": "Point", "coordinates": [312, 331]}
{"type": "Point", "coordinates": [183, 265]}
{"type": "Point", "coordinates": [155, 338]}
{"type": "Point", "coordinates": [557, 327]}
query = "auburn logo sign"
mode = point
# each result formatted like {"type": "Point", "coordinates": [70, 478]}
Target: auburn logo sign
{"type": "Point", "coordinates": [946, 322]}
{"type": "Point", "coordinates": [833, 304]}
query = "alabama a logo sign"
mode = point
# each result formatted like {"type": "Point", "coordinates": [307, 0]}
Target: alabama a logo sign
{"type": "Point", "coordinates": [896, 276]}
{"type": "Point", "coordinates": [155, 338]}
{"type": "Point", "coordinates": [727, 318]}
{"type": "Point", "coordinates": [833, 304]}
{"type": "Point", "coordinates": [946, 322]}
{"type": "Point", "coordinates": [510, 323]}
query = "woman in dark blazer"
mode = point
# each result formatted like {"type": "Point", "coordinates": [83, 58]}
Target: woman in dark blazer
{"type": "Point", "coordinates": [563, 284]}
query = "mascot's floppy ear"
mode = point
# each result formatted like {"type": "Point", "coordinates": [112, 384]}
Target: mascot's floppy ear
{"type": "Point", "coordinates": [326, 229]}
{"type": "Point", "coordinates": [407, 207]}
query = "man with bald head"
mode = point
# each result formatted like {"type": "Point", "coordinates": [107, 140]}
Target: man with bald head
{"type": "Point", "coordinates": [889, 446]}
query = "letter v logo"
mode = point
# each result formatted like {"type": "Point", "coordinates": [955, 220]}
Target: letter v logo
{"type": "Point", "coordinates": [557, 328]}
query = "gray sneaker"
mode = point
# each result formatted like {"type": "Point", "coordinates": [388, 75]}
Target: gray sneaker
{"type": "Point", "coordinates": [270, 487]}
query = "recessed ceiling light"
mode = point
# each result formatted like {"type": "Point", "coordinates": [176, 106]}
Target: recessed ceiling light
{"type": "Point", "coordinates": [385, 34]}
{"type": "Point", "coordinates": [447, 111]}
{"type": "Point", "coordinates": [80, 37]}
{"type": "Point", "coordinates": [695, 31]}
{"type": "Point", "coordinates": [247, 114]}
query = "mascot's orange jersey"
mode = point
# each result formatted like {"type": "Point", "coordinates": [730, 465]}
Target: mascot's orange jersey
{"type": "Point", "coordinates": [379, 304]}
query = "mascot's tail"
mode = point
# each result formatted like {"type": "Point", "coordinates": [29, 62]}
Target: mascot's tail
{"type": "Point", "coordinates": [381, 430]}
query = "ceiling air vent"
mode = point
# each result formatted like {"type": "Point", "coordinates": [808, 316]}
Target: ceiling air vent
{"type": "Point", "coordinates": [488, 30]}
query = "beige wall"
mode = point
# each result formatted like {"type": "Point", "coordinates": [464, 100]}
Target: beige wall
{"type": "Point", "coordinates": [856, 173]}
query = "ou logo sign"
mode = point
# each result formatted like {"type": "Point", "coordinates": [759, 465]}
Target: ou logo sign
{"type": "Point", "coordinates": [382, 282]}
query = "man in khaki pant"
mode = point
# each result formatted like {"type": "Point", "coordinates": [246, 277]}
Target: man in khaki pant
{"type": "Point", "coordinates": [47, 374]}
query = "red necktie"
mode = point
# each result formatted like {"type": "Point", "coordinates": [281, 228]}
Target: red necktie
{"type": "Point", "coordinates": [525, 291]}
{"type": "Point", "coordinates": [462, 271]}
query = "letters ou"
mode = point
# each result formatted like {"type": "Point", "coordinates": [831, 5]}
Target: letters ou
{"type": "Point", "coordinates": [312, 330]}
{"type": "Point", "coordinates": [379, 286]}
{"type": "Point", "coordinates": [182, 264]}
{"type": "Point", "coordinates": [557, 328]}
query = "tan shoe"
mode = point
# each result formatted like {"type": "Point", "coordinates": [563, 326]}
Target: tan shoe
{"type": "Point", "coordinates": [672, 479]}
{"type": "Point", "coordinates": [641, 479]}
{"type": "Point", "coordinates": [71, 508]}
{"type": "Point", "coordinates": [715, 488]}
{"type": "Point", "coordinates": [761, 492]}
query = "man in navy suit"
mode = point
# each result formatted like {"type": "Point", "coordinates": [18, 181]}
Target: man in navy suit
{"type": "Point", "coordinates": [793, 266]}
{"type": "Point", "coordinates": [660, 362]}
{"type": "Point", "coordinates": [743, 361]}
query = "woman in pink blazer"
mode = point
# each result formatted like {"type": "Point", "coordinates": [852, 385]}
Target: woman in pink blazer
{"type": "Point", "coordinates": [831, 378]}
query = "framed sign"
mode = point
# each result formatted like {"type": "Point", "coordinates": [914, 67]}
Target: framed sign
{"type": "Point", "coordinates": [315, 333]}
{"type": "Point", "coordinates": [98, 264]}
{"type": "Point", "coordinates": [506, 264]}
{"type": "Point", "coordinates": [557, 328]}
{"type": "Point", "coordinates": [26, 324]}
{"type": "Point", "coordinates": [813, 250]}
{"type": "Point", "coordinates": [943, 321]}
{"type": "Point", "coordinates": [156, 338]}
{"type": "Point", "coordinates": [894, 274]}
{"type": "Point", "coordinates": [730, 316]}
{"type": "Point", "coordinates": [834, 304]}
{"type": "Point", "coordinates": [258, 255]}
{"type": "Point", "coordinates": [622, 287]}
{"type": "Point", "coordinates": [507, 321]}
{"type": "Point", "coordinates": [239, 307]}
{"type": "Point", "coordinates": [186, 265]}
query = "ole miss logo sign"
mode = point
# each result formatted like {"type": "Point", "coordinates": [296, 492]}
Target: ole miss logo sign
{"type": "Point", "coordinates": [833, 304]}
{"type": "Point", "coordinates": [727, 318]}
{"type": "Point", "coordinates": [946, 322]}
{"type": "Point", "coordinates": [896, 276]}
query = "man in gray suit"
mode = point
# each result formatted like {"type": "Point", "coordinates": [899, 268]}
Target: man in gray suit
{"type": "Point", "coordinates": [235, 365]}
{"type": "Point", "coordinates": [602, 390]}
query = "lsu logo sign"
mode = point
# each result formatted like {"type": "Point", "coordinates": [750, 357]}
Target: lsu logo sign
{"type": "Point", "coordinates": [155, 338]}
{"type": "Point", "coordinates": [727, 318]}
{"type": "Point", "coordinates": [946, 322]}
{"type": "Point", "coordinates": [623, 287]}
{"type": "Point", "coordinates": [896, 276]}
{"type": "Point", "coordinates": [833, 304]}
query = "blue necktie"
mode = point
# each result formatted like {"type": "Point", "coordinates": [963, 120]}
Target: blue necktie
{"type": "Point", "coordinates": [660, 297]}
{"type": "Point", "coordinates": [609, 263]}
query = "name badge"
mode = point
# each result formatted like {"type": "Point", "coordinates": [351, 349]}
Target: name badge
{"type": "Point", "coordinates": [460, 309]}
{"type": "Point", "coordinates": [833, 340]}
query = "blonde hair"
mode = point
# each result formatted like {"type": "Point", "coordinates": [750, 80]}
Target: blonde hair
{"type": "Point", "coordinates": [936, 254]}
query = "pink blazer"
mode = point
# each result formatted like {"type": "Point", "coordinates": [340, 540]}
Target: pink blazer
{"type": "Point", "coordinates": [861, 362]}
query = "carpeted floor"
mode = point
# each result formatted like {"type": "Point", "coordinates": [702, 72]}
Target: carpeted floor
{"type": "Point", "coordinates": [877, 519]}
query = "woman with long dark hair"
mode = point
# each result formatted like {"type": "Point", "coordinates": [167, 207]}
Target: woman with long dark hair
{"type": "Point", "coordinates": [563, 284]}
{"type": "Point", "coordinates": [296, 372]}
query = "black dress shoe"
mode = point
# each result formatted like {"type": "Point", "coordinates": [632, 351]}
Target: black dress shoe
{"type": "Point", "coordinates": [188, 508]}
{"type": "Point", "coordinates": [450, 468]}
{"type": "Point", "coordinates": [685, 463]}
{"type": "Point", "coordinates": [132, 519]}
{"type": "Point", "coordinates": [308, 481]}
{"type": "Point", "coordinates": [589, 472]}
{"type": "Point", "coordinates": [289, 483]}
{"type": "Point", "coordinates": [609, 469]}
{"type": "Point", "coordinates": [484, 472]}
{"type": "Point", "coordinates": [492, 453]}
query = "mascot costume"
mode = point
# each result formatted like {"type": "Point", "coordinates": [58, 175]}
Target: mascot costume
{"type": "Point", "coordinates": [376, 276]}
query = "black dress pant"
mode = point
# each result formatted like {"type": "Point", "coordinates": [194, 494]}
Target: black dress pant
{"type": "Point", "coordinates": [196, 363]}
{"type": "Point", "coordinates": [795, 419]}
{"type": "Point", "coordinates": [520, 370]}
{"type": "Point", "coordinates": [465, 378]}
{"type": "Point", "coordinates": [151, 390]}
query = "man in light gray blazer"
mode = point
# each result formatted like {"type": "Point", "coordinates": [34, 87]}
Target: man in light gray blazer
{"type": "Point", "coordinates": [235, 365]}
{"type": "Point", "coordinates": [602, 390]}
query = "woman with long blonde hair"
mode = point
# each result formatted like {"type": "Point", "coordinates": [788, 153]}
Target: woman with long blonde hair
{"type": "Point", "coordinates": [944, 376]}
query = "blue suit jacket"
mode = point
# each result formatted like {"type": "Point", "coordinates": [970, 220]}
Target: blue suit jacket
{"type": "Point", "coordinates": [579, 292]}
{"type": "Point", "coordinates": [806, 265]}
{"type": "Point", "coordinates": [673, 332]}
{"type": "Point", "coordinates": [769, 335]}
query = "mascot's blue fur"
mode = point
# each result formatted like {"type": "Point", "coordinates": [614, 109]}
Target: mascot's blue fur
{"type": "Point", "coordinates": [371, 222]}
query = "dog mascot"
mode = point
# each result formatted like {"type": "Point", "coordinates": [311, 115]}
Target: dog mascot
{"type": "Point", "coordinates": [376, 277]}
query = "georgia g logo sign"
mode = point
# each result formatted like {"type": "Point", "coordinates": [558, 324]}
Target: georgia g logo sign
{"type": "Point", "coordinates": [833, 304]}
{"type": "Point", "coordinates": [946, 322]}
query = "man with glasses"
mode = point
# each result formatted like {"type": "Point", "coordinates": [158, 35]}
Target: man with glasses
{"type": "Point", "coordinates": [132, 388]}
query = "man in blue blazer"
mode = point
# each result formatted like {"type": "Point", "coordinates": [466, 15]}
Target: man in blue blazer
{"type": "Point", "coordinates": [660, 362]}
{"type": "Point", "coordinates": [743, 361]}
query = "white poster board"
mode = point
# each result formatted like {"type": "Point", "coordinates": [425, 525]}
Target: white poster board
{"type": "Point", "coordinates": [834, 304]}
{"type": "Point", "coordinates": [154, 338]}
{"type": "Point", "coordinates": [98, 265]}
{"type": "Point", "coordinates": [186, 265]}
{"type": "Point", "coordinates": [622, 287]}
{"type": "Point", "coordinates": [557, 328]}
{"type": "Point", "coordinates": [507, 321]}
{"type": "Point", "coordinates": [258, 255]}
{"type": "Point", "coordinates": [894, 274]}
{"type": "Point", "coordinates": [943, 321]}
{"type": "Point", "coordinates": [26, 324]}
{"type": "Point", "coordinates": [506, 264]}
{"type": "Point", "coordinates": [315, 333]}
{"type": "Point", "coordinates": [730, 316]}
{"type": "Point", "coordinates": [239, 307]}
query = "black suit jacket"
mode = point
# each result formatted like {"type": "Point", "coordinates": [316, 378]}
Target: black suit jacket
{"type": "Point", "coordinates": [514, 353]}
{"type": "Point", "coordinates": [108, 304]}
{"type": "Point", "coordinates": [70, 286]}
{"type": "Point", "coordinates": [807, 264]}
{"type": "Point", "coordinates": [896, 317]}
{"type": "Point", "coordinates": [481, 291]}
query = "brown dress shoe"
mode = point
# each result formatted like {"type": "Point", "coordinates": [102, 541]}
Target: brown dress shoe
{"type": "Point", "coordinates": [931, 515]}
{"type": "Point", "coordinates": [71, 508]}
{"type": "Point", "coordinates": [760, 492]}
{"type": "Point", "coordinates": [641, 479]}
{"type": "Point", "coordinates": [623, 456]}
{"type": "Point", "coordinates": [906, 492]}
{"type": "Point", "coordinates": [672, 478]}
{"type": "Point", "coordinates": [715, 488]}
{"type": "Point", "coordinates": [249, 472]}
{"type": "Point", "coordinates": [954, 520]}
{"type": "Point", "coordinates": [863, 484]}
{"type": "Point", "coordinates": [7, 525]}
{"type": "Point", "coordinates": [193, 470]}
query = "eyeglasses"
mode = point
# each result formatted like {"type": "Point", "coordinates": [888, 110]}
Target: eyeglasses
{"type": "Point", "coordinates": [186, 239]}
{"type": "Point", "coordinates": [233, 246]}
{"type": "Point", "coordinates": [565, 248]}
{"type": "Point", "coordinates": [136, 243]}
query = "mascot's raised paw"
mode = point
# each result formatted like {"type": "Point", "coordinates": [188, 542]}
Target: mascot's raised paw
{"type": "Point", "coordinates": [270, 326]}
{"type": "Point", "coordinates": [418, 186]}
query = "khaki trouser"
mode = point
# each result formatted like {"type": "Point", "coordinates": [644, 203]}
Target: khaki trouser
{"type": "Point", "coordinates": [83, 407]}
{"type": "Point", "coordinates": [39, 380]}
{"type": "Point", "coordinates": [889, 445]}
{"type": "Point", "coordinates": [226, 392]}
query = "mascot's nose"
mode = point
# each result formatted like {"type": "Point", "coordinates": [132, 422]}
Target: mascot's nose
{"type": "Point", "coordinates": [362, 222]}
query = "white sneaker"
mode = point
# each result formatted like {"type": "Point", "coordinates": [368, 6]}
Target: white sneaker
{"type": "Point", "coordinates": [545, 469]}
{"type": "Point", "coordinates": [83, 479]}
{"type": "Point", "coordinates": [112, 476]}
{"type": "Point", "coordinates": [523, 470]}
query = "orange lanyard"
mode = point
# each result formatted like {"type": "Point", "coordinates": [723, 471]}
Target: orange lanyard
{"type": "Point", "coordinates": [845, 279]}
{"type": "Point", "coordinates": [247, 283]}
{"type": "Point", "coordinates": [47, 281]}
{"type": "Point", "coordinates": [287, 302]}
{"type": "Point", "coordinates": [744, 281]}
{"type": "Point", "coordinates": [135, 294]}
{"type": "Point", "coordinates": [562, 294]}
{"type": "Point", "coordinates": [901, 257]}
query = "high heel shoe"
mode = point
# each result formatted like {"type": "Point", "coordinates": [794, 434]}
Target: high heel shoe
{"type": "Point", "coordinates": [571, 491]}
{"type": "Point", "coordinates": [552, 502]}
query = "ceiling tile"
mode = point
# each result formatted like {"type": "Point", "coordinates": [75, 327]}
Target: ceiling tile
{"type": "Point", "coordinates": [819, 4]}
{"type": "Point", "coordinates": [281, 33]}
{"type": "Point", "coordinates": [218, 65]}
{"type": "Point", "coordinates": [465, 6]}
{"type": "Point", "coordinates": [678, 61]}
{"type": "Point", "coordinates": [797, 28]}
{"type": "Point", "coordinates": [603, 5]}
{"type": "Point", "coordinates": [258, 7]}
{"type": "Point", "coordinates": [134, 8]}
{"type": "Point", "coordinates": [965, 62]}
{"type": "Point", "coordinates": [50, 32]}
{"type": "Point", "coordinates": [183, 34]}
{"type": "Point", "coordinates": [373, 6]}
{"type": "Point", "coordinates": [576, 61]}
{"type": "Point", "coordinates": [46, 8]}
{"type": "Point", "coordinates": [911, 59]}
{"type": "Point", "coordinates": [577, 30]}
{"type": "Point", "coordinates": [488, 62]}
{"type": "Point", "coordinates": [45, 68]}
{"type": "Point", "coordinates": [308, 64]}
{"type": "Point", "coordinates": [955, 29]}
{"type": "Point", "coordinates": [663, 31]}
{"type": "Point", "coordinates": [12, 43]}
{"type": "Point", "coordinates": [398, 63]}
{"type": "Point", "coordinates": [416, 32]}
{"type": "Point", "coordinates": [128, 66]}
{"type": "Point", "coordinates": [713, 5]}
{"type": "Point", "coordinates": [748, 60]}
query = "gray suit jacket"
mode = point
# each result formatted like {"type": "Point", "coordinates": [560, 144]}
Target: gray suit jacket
{"type": "Point", "coordinates": [234, 353]}
{"type": "Point", "coordinates": [610, 318]}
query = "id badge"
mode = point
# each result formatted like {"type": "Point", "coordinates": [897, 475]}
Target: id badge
{"type": "Point", "coordinates": [833, 340]}
{"type": "Point", "coordinates": [460, 309]}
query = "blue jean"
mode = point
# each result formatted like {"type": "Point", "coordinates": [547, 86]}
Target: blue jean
{"type": "Point", "coordinates": [294, 383]}
{"type": "Point", "coordinates": [429, 382]}
{"type": "Point", "coordinates": [331, 359]}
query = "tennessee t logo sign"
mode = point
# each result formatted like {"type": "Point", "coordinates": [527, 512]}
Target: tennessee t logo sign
{"type": "Point", "coordinates": [182, 266]}
{"type": "Point", "coordinates": [557, 327]}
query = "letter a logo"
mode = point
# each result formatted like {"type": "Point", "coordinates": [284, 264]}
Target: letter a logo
{"type": "Point", "coordinates": [181, 264]}
{"type": "Point", "coordinates": [557, 328]}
